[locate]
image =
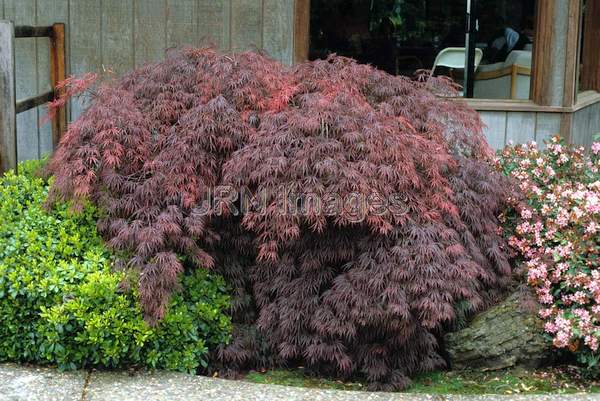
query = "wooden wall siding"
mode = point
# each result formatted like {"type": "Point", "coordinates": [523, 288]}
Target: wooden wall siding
{"type": "Point", "coordinates": [26, 76]}
{"type": "Point", "coordinates": [586, 124]}
{"type": "Point", "coordinates": [519, 127]}
{"type": "Point", "coordinates": [215, 23]}
{"type": "Point", "coordinates": [246, 22]}
{"type": "Point", "coordinates": [114, 36]}
{"type": "Point", "coordinates": [278, 33]}
{"type": "Point", "coordinates": [48, 12]}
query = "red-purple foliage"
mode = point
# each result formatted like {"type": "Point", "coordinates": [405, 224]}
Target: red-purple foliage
{"type": "Point", "coordinates": [343, 295]}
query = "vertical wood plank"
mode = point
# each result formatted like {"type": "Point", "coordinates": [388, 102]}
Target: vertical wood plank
{"type": "Point", "coordinates": [301, 30]}
{"type": "Point", "coordinates": [246, 24]}
{"type": "Point", "coordinates": [150, 30]}
{"type": "Point", "coordinates": [595, 124]}
{"type": "Point", "coordinates": [582, 125]}
{"type": "Point", "coordinates": [48, 13]}
{"type": "Point", "coordinates": [22, 12]}
{"type": "Point", "coordinates": [547, 126]}
{"type": "Point", "coordinates": [566, 126]}
{"type": "Point", "coordinates": [85, 42]}
{"type": "Point", "coordinates": [182, 25]}
{"type": "Point", "coordinates": [495, 130]}
{"type": "Point", "coordinates": [544, 52]}
{"type": "Point", "coordinates": [277, 29]}
{"type": "Point", "coordinates": [572, 53]}
{"type": "Point", "coordinates": [520, 127]}
{"type": "Point", "coordinates": [590, 74]}
{"type": "Point", "coordinates": [8, 133]}
{"type": "Point", "coordinates": [58, 74]}
{"type": "Point", "coordinates": [117, 36]}
{"type": "Point", "coordinates": [214, 23]}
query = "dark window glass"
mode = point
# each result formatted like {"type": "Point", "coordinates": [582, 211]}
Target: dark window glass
{"type": "Point", "coordinates": [401, 36]}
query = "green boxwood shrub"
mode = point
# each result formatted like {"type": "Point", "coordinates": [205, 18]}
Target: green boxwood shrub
{"type": "Point", "coordinates": [61, 303]}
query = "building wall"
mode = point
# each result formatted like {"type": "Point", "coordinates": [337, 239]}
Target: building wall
{"type": "Point", "coordinates": [503, 127]}
{"type": "Point", "coordinates": [118, 35]}
{"type": "Point", "coordinates": [586, 124]}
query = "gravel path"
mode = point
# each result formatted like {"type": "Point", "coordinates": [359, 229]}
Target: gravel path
{"type": "Point", "coordinates": [18, 383]}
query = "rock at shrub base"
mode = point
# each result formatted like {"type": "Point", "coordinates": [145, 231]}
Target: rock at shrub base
{"type": "Point", "coordinates": [504, 336]}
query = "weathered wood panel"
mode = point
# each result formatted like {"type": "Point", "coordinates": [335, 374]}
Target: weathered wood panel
{"type": "Point", "coordinates": [113, 36]}
{"type": "Point", "coordinates": [85, 43]}
{"type": "Point", "coordinates": [246, 24]}
{"type": "Point", "coordinates": [547, 126]}
{"type": "Point", "coordinates": [150, 30]}
{"type": "Point", "coordinates": [586, 124]}
{"type": "Point", "coordinates": [182, 26]}
{"type": "Point", "coordinates": [520, 127]}
{"type": "Point", "coordinates": [28, 140]}
{"type": "Point", "coordinates": [117, 36]}
{"type": "Point", "coordinates": [495, 130]}
{"type": "Point", "coordinates": [214, 19]}
{"type": "Point", "coordinates": [8, 145]}
{"type": "Point", "coordinates": [48, 13]}
{"type": "Point", "coordinates": [278, 23]}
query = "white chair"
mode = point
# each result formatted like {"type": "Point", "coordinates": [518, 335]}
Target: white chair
{"type": "Point", "coordinates": [505, 80]}
{"type": "Point", "coordinates": [454, 57]}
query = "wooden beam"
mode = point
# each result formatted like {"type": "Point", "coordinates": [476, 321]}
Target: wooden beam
{"type": "Point", "coordinates": [58, 74]}
{"type": "Point", "coordinates": [541, 90]}
{"type": "Point", "coordinates": [301, 30]}
{"type": "Point", "coordinates": [25, 31]}
{"type": "Point", "coordinates": [32, 102]}
{"type": "Point", "coordinates": [572, 53]}
{"type": "Point", "coordinates": [8, 132]}
{"type": "Point", "coordinates": [566, 126]}
{"type": "Point", "coordinates": [590, 73]}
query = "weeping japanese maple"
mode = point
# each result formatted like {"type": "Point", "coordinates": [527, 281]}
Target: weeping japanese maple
{"type": "Point", "coordinates": [346, 291]}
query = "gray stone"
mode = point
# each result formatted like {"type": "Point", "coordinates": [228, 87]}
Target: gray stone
{"type": "Point", "coordinates": [161, 386]}
{"type": "Point", "coordinates": [504, 336]}
{"type": "Point", "coordinates": [21, 383]}
{"type": "Point", "coordinates": [33, 384]}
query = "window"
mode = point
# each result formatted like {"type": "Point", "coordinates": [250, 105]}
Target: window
{"type": "Point", "coordinates": [401, 36]}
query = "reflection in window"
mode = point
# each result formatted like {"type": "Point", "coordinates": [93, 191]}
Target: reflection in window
{"type": "Point", "coordinates": [506, 38]}
{"type": "Point", "coordinates": [401, 36]}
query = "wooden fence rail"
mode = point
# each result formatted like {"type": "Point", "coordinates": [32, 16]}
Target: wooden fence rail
{"type": "Point", "coordinates": [9, 106]}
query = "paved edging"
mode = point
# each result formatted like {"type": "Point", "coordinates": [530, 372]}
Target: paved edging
{"type": "Point", "coordinates": [21, 383]}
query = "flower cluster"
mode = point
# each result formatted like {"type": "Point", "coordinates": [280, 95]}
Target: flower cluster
{"type": "Point", "coordinates": [557, 233]}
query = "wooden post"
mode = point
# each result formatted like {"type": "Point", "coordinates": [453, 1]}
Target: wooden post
{"type": "Point", "coordinates": [590, 74]}
{"type": "Point", "coordinates": [543, 53]}
{"type": "Point", "coordinates": [58, 74]}
{"type": "Point", "coordinates": [301, 30]}
{"type": "Point", "coordinates": [8, 132]}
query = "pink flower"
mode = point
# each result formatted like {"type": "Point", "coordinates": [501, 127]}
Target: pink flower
{"type": "Point", "coordinates": [526, 214]}
{"type": "Point", "coordinates": [563, 265]}
{"type": "Point", "coordinates": [563, 218]}
{"type": "Point", "coordinates": [591, 342]}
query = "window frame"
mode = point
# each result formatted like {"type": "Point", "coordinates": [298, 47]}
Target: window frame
{"type": "Point", "coordinates": [543, 97]}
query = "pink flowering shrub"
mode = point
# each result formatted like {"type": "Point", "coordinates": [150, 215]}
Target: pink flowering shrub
{"type": "Point", "coordinates": [557, 233]}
